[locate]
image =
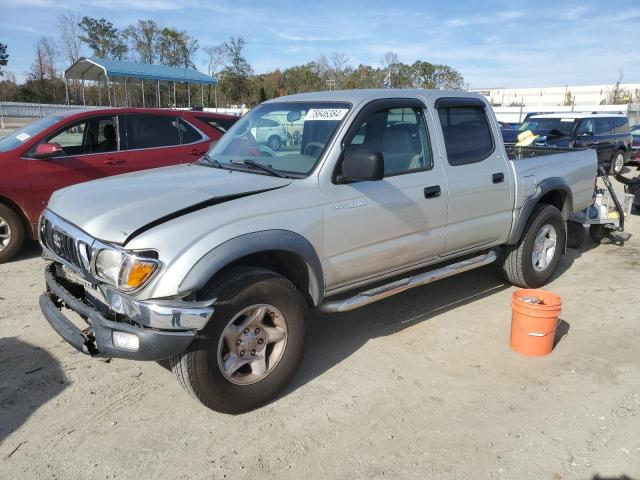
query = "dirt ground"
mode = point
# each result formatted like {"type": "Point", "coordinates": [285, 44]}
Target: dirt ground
{"type": "Point", "coordinates": [422, 385]}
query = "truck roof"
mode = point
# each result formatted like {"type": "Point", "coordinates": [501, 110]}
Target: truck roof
{"type": "Point", "coordinates": [357, 96]}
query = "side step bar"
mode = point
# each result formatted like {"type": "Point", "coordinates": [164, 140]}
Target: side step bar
{"type": "Point", "coordinates": [384, 291]}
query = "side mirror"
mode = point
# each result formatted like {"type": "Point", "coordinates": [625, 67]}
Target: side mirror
{"type": "Point", "coordinates": [362, 166]}
{"type": "Point", "coordinates": [294, 116]}
{"type": "Point", "coordinates": [46, 150]}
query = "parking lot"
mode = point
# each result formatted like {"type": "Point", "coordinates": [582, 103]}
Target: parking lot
{"type": "Point", "coordinates": [420, 385]}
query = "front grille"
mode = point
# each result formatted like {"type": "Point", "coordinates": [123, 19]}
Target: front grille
{"type": "Point", "coordinates": [60, 243]}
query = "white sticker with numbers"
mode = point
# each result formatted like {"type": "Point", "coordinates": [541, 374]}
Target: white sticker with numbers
{"type": "Point", "coordinates": [326, 114]}
{"type": "Point", "coordinates": [23, 136]}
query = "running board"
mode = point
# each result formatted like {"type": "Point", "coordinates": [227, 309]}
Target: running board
{"type": "Point", "coordinates": [384, 291]}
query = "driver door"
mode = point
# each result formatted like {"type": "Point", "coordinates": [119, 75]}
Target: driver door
{"type": "Point", "coordinates": [373, 228]}
{"type": "Point", "coordinates": [87, 154]}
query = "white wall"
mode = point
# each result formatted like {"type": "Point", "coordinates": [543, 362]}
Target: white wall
{"type": "Point", "coordinates": [552, 96]}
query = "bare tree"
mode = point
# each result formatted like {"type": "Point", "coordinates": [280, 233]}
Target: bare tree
{"type": "Point", "coordinates": [389, 59]}
{"type": "Point", "coordinates": [216, 58]}
{"type": "Point", "coordinates": [69, 31]}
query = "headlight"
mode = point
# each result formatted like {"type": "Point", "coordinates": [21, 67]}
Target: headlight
{"type": "Point", "coordinates": [124, 270]}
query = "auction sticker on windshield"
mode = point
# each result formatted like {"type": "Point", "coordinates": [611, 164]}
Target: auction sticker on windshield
{"type": "Point", "coordinates": [23, 136]}
{"type": "Point", "coordinates": [326, 114]}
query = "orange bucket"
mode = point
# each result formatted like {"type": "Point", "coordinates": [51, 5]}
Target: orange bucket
{"type": "Point", "coordinates": [534, 320]}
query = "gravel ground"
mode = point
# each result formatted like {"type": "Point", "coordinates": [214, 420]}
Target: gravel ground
{"type": "Point", "coordinates": [422, 385]}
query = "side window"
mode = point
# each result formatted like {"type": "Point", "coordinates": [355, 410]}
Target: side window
{"type": "Point", "coordinates": [467, 134]}
{"type": "Point", "coordinates": [586, 127]}
{"type": "Point", "coordinates": [400, 134]}
{"type": "Point", "coordinates": [220, 124]}
{"type": "Point", "coordinates": [188, 133]}
{"type": "Point", "coordinates": [622, 125]}
{"type": "Point", "coordinates": [149, 131]}
{"type": "Point", "coordinates": [604, 126]}
{"type": "Point", "coordinates": [94, 135]}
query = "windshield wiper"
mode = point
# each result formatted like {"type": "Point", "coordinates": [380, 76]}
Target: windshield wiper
{"type": "Point", "coordinates": [263, 167]}
{"type": "Point", "coordinates": [211, 161]}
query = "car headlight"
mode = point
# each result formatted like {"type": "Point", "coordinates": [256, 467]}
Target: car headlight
{"type": "Point", "coordinates": [124, 270]}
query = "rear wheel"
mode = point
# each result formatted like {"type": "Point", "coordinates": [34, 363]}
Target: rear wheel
{"type": "Point", "coordinates": [531, 262]}
{"type": "Point", "coordinates": [11, 233]}
{"type": "Point", "coordinates": [252, 346]}
{"type": "Point", "coordinates": [617, 163]}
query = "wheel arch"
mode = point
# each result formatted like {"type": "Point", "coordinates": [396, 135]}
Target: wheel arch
{"type": "Point", "coordinates": [552, 191]}
{"type": "Point", "coordinates": [26, 223]}
{"type": "Point", "coordinates": [285, 252]}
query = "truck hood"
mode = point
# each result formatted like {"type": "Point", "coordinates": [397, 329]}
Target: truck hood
{"type": "Point", "coordinates": [115, 209]}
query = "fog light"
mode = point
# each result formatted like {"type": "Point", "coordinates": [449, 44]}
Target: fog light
{"type": "Point", "coordinates": [125, 341]}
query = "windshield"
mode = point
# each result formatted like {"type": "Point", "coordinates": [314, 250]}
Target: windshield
{"type": "Point", "coordinates": [288, 137]}
{"type": "Point", "coordinates": [18, 137]}
{"type": "Point", "coordinates": [563, 125]}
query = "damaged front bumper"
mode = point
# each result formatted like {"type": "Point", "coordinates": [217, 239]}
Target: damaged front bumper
{"type": "Point", "coordinates": [151, 330]}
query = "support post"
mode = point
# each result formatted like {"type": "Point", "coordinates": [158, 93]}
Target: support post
{"type": "Point", "coordinates": [142, 86]}
{"type": "Point", "coordinates": [126, 93]}
{"type": "Point", "coordinates": [202, 95]}
{"type": "Point", "coordinates": [99, 94]}
{"type": "Point", "coordinates": [66, 88]}
{"type": "Point", "coordinates": [175, 100]}
{"type": "Point", "coordinates": [158, 92]}
{"type": "Point", "coordinates": [106, 82]}
{"type": "Point", "coordinates": [215, 96]}
{"type": "Point", "coordinates": [188, 94]}
{"type": "Point", "coordinates": [83, 99]}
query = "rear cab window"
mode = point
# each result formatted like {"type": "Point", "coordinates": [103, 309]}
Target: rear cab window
{"type": "Point", "coordinates": [466, 131]}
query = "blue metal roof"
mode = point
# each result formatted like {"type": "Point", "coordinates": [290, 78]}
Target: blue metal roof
{"type": "Point", "coordinates": [97, 68]}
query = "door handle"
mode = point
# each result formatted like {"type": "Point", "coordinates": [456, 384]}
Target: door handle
{"type": "Point", "coordinates": [497, 177]}
{"type": "Point", "coordinates": [113, 161]}
{"type": "Point", "coordinates": [432, 192]}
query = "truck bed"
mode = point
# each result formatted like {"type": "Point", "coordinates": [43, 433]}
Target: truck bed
{"type": "Point", "coordinates": [517, 153]}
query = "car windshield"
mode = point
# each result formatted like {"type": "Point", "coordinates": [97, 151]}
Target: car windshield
{"type": "Point", "coordinates": [564, 125]}
{"type": "Point", "coordinates": [18, 137]}
{"type": "Point", "coordinates": [286, 137]}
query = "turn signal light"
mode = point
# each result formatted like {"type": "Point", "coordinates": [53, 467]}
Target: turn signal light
{"type": "Point", "coordinates": [139, 272]}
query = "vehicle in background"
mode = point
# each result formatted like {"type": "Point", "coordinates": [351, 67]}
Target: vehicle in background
{"type": "Point", "coordinates": [270, 132]}
{"type": "Point", "coordinates": [214, 265]}
{"type": "Point", "coordinates": [607, 133]}
{"type": "Point", "coordinates": [509, 132]}
{"type": "Point", "coordinates": [72, 147]}
{"type": "Point", "coordinates": [635, 145]}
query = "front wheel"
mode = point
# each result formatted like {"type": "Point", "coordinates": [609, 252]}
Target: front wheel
{"type": "Point", "coordinates": [274, 142]}
{"type": "Point", "coordinates": [531, 262]}
{"type": "Point", "coordinates": [252, 346]}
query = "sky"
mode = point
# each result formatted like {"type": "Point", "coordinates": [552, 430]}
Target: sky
{"type": "Point", "coordinates": [491, 43]}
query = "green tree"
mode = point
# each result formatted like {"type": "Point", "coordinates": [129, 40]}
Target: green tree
{"type": "Point", "coordinates": [105, 40]}
{"type": "Point", "coordinates": [236, 74]}
{"type": "Point", "coordinates": [176, 48]}
{"type": "Point", "coordinates": [263, 95]}
{"type": "Point", "coordinates": [143, 40]}
{"type": "Point", "coordinates": [4, 57]}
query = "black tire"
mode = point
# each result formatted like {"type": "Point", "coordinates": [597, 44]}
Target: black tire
{"type": "Point", "coordinates": [274, 142]}
{"type": "Point", "coordinates": [516, 260]}
{"type": "Point", "coordinates": [617, 162]}
{"type": "Point", "coordinates": [11, 225]}
{"type": "Point", "coordinates": [576, 233]}
{"type": "Point", "coordinates": [198, 370]}
{"type": "Point", "coordinates": [600, 234]}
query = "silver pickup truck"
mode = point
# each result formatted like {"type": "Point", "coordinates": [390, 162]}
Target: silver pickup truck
{"type": "Point", "coordinates": [214, 265]}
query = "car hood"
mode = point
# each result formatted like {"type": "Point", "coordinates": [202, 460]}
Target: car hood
{"type": "Point", "coordinates": [115, 209]}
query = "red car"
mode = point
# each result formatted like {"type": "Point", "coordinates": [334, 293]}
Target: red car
{"type": "Point", "coordinates": [62, 149]}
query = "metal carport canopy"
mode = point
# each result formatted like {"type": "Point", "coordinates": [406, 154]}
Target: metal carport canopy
{"type": "Point", "coordinates": [100, 69]}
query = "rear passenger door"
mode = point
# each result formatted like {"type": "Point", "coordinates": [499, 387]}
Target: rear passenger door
{"type": "Point", "coordinates": [480, 185]}
{"type": "Point", "coordinates": [153, 141]}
